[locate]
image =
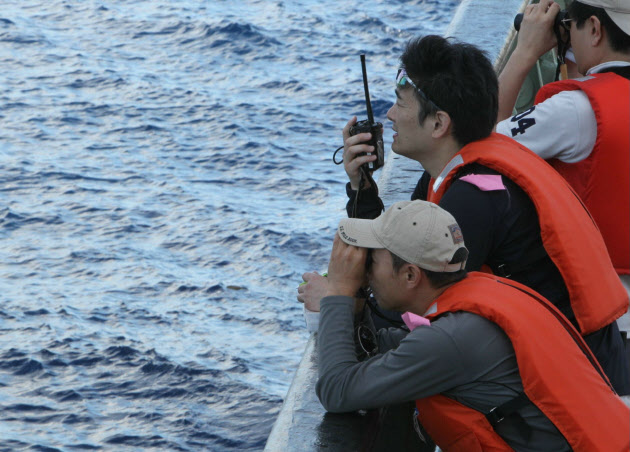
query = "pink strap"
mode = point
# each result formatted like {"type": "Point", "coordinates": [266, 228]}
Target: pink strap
{"type": "Point", "coordinates": [413, 320]}
{"type": "Point", "coordinates": [485, 182]}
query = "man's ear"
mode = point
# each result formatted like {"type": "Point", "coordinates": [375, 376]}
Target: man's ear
{"type": "Point", "coordinates": [595, 28]}
{"type": "Point", "coordinates": [441, 124]}
{"type": "Point", "coordinates": [412, 274]}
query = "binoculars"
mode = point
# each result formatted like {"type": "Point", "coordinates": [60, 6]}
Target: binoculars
{"type": "Point", "coordinates": [562, 15]}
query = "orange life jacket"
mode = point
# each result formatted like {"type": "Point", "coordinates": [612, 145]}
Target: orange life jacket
{"type": "Point", "coordinates": [602, 180]}
{"type": "Point", "coordinates": [568, 233]}
{"type": "Point", "coordinates": [559, 373]}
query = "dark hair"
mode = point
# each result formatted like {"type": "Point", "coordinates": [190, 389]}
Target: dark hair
{"type": "Point", "coordinates": [458, 78]}
{"type": "Point", "coordinates": [437, 279]}
{"type": "Point", "coordinates": [618, 40]}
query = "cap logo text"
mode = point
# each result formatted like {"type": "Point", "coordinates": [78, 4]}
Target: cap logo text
{"type": "Point", "coordinates": [346, 236]}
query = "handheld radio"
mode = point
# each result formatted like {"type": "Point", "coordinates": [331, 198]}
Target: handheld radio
{"type": "Point", "coordinates": [368, 125]}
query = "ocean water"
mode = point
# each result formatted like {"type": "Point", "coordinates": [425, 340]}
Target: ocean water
{"type": "Point", "coordinates": [165, 180]}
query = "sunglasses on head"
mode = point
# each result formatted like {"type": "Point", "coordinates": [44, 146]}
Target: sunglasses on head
{"type": "Point", "coordinates": [402, 78]}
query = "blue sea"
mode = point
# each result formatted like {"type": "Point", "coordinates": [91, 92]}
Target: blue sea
{"type": "Point", "coordinates": [165, 180]}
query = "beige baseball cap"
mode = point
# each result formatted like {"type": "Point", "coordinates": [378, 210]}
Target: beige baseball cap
{"type": "Point", "coordinates": [618, 10]}
{"type": "Point", "coordinates": [420, 232]}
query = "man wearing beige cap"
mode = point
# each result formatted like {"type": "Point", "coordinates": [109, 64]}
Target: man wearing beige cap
{"type": "Point", "coordinates": [492, 365]}
{"type": "Point", "coordinates": [580, 126]}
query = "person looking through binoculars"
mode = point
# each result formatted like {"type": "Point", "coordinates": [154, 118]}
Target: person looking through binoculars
{"type": "Point", "coordinates": [493, 366]}
{"type": "Point", "coordinates": [580, 126]}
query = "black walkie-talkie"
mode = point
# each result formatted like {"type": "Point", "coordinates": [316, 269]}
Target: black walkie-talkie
{"type": "Point", "coordinates": [368, 125]}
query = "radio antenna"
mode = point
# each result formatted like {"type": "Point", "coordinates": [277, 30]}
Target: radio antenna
{"type": "Point", "coordinates": [367, 91]}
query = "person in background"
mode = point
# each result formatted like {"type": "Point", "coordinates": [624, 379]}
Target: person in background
{"type": "Point", "coordinates": [515, 211]}
{"type": "Point", "coordinates": [492, 366]}
{"type": "Point", "coordinates": [581, 126]}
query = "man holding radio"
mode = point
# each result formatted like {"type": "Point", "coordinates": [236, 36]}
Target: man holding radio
{"type": "Point", "coordinates": [520, 219]}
